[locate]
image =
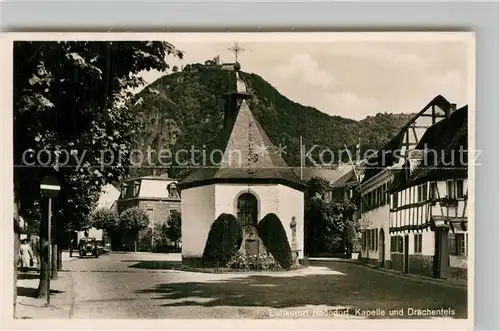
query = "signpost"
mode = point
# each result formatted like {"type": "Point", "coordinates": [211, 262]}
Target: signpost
{"type": "Point", "coordinates": [50, 188]}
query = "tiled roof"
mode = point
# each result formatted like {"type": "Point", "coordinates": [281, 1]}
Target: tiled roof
{"type": "Point", "coordinates": [153, 187]}
{"type": "Point", "coordinates": [445, 152]}
{"type": "Point", "coordinates": [378, 162]}
{"type": "Point", "coordinates": [346, 179]}
{"type": "Point", "coordinates": [332, 174]}
{"type": "Point", "coordinates": [243, 153]}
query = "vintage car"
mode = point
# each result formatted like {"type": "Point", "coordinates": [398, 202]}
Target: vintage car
{"type": "Point", "coordinates": [88, 247]}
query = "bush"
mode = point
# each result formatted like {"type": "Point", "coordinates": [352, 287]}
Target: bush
{"type": "Point", "coordinates": [133, 220]}
{"type": "Point", "coordinates": [274, 237]}
{"type": "Point", "coordinates": [173, 230]}
{"type": "Point", "coordinates": [224, 240]}
{"type": "Point", "coordinates": [256, 262]}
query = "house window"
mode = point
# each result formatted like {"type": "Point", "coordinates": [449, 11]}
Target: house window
{"type": "Point", "coordinates": [372, 235]}
{"type": "Point", "coordinates": [455, 188]}
{"type": "Point", "coordinates": [460, 188]}
{"type": "Point", "coordinates": [432, 189]}
{"type": "Point", "coordinates": [150, 213]}
{"type": "Point", "coordinates": [386, 197]}
{"type": "Point", "coordinates": [247, 209]}
{"type": "Point", "coordinates": [124, 191]}
{"type": "Point", "coordinates": [417, 243]}
{"type": "Point", "coordinates": [172, 191]}
{"type": "Point", "coordinates": [132, 190]}
{"type": "Point", "coordinates": [372, 239]}
{"type": "Point", "coordinates": [461, 244]}
{"type": "Point", "coordinates": [397, 244]}
{"type": "Point", "coordinates": [395, 200]}
{"type": "Point", "coordinates": [450, 189]}
{"type": "Point", "coordinates": [364, 240]}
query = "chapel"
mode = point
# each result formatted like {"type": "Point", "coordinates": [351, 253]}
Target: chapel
{"type": "Point", "coordinates": [246, 177]}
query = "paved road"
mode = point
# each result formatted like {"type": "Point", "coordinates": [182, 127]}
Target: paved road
{"type": "Point", "coordinates": [127, 286]}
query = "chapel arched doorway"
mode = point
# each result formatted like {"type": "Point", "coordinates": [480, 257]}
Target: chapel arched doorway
{"type": "Point", "coordinates": [247, 214]}
{"type": "Point", "coordinates": [247, 209]}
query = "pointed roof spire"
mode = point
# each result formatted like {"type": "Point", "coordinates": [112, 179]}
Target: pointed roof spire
{"type": "Point", "coordinates": [243, 153]}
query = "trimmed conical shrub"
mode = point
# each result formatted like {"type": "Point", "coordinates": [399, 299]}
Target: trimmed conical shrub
{"type": "Point", "coordinates": [274, 237]}
{"type": "Point", "coordinates": [224, 240]}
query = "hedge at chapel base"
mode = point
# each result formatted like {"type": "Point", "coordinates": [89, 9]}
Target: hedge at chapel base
{"type": "Point", "coordinates": [223, 242]}
{"type": "Point", "coordinates": [274, 237]}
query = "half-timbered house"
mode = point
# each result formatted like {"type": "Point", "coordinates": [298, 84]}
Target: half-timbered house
{"type": "Point", "coordinates": [428, 212]}
{"type": "Point", "coordinates": [379, 171]}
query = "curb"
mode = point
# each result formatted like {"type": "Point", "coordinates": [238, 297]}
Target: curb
{"type": "Point", "coordinates": [450, 283]}
{"type": "Point", "coordinates": [61, 303]}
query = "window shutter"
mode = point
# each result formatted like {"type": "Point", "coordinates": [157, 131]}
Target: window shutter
{"type": "Point", "coordinates": [452, 243]}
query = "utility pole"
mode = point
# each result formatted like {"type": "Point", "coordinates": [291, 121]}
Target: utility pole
{"type": "Point", "coordinates": [50, 188]}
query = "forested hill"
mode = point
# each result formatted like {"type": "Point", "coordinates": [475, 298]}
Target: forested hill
{"type": "Point", "coordinates": [185, 109]}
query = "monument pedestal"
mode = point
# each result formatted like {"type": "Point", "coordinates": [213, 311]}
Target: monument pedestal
{"type": "Point", "coordinates": [295, 253]}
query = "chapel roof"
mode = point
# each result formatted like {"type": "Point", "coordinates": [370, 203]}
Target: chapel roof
{"type": "Point", "coordinates": [242, 152]}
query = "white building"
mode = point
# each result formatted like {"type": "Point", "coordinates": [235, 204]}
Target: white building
{"type": "Point", "coordinates": [108, 197]}
{"type": "Point", "coordinates": [379, 175]}
{"type": "Point", "coordinates": [247, 178]}
{"type": "Point", "coordinates": [429, 216]}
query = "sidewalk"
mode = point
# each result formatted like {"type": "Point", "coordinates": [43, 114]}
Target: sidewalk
{"type": "Point", "coordinates": [448, 282]}
{"type": "Point", "coordinates": [61, 299]}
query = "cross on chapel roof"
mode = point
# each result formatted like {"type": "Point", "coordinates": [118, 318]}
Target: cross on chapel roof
{"type": "Point", "coordinates": [236, 49]}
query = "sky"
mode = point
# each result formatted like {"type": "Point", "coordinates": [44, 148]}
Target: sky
{"type": "Point", "coordinates": [349, 78]}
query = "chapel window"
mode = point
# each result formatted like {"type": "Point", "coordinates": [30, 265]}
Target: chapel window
{"type": "Point", "coordinates": [172, 191]}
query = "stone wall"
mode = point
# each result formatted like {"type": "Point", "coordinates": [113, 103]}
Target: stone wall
{"type": "Point", "coordinates": [397, 261]}
{"type": "Point", "coordinates": [373, 262]}
{"type": "Point", "coordinates": [457, 273]}
{"type": "Point", "coordinates": [125, 204]}
{"type": "Point", "coordinates": [421, 265]}
{"type": "Point", "coordinates": [160, 209]}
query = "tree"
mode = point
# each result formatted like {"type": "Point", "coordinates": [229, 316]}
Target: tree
{"type": "Point", "coordinates": [317, 186]}
{"type": "Point", "coordinates": [72, 121]}
{"type": "Point", "coordinates": [104, 218]}
{"type": "Point", "coordinates": [109, 221]}
{"type": "Point", "coordinates": [173, 231]}
{"type": "Point", "coordinates": [175, 69]}
{"type": "Point", "coordinates": [133, 220]}
{"type": "Point", "coordinates": [328, 225]}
